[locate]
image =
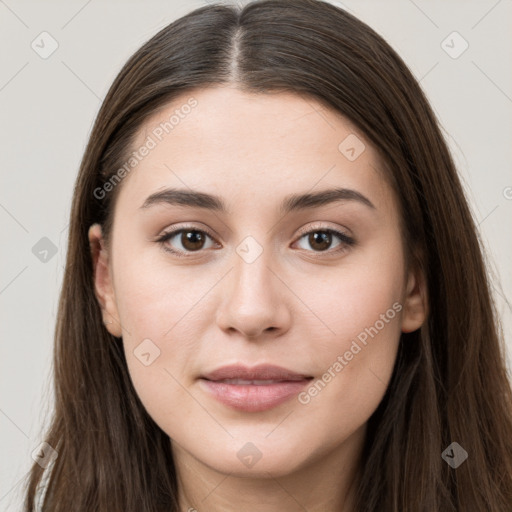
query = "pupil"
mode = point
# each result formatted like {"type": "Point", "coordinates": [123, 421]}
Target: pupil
{"type": "Point", "coordinates": [322, 237]}
{"type": "Point", "coordinates": [192, 239]}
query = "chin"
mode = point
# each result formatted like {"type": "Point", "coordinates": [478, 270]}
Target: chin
{"type": "Point", "coordinates": [258, 459]}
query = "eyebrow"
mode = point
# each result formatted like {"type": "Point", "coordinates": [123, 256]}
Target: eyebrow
{"type": "Point", "coordinates": [291, 203]}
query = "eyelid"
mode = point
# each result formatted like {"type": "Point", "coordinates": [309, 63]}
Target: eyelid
{"type": "Point", "coordinates": [183, 227]}
{"type": "Point", "coordinates": [320, 226]}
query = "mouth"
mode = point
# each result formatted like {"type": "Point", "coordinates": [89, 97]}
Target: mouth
{"type": "Point", "coordinates": [253, 389]}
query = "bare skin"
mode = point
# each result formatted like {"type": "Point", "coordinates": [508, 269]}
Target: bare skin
{"type": "Point", "coordinates": [299, 304]}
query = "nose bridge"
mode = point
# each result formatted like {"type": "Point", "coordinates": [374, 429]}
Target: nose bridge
{"type": "Point", "coordinates": [253, 301]}
{"type": "Point", "coordinates": [252, 274]}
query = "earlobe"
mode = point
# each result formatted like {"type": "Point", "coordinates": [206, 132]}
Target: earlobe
{"type": "Point", "coordinates": [415, 304]}
{"type": "Point", "coordinates": [103, 286]}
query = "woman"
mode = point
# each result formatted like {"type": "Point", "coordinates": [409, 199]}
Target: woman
{"type": "Point", "coordinates": [274, 295]}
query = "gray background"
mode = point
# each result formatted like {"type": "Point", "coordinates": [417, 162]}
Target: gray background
{"type": "Point", "coordinates": [48, 106]}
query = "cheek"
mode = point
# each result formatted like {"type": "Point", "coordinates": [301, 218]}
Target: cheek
{"type": "Point", "coordinates": [351, 384]}
{"type": "Point", "coordinates": [363, 309]}
{"type": "Point", "coordinates": [161, 314]}
{"type": "Point", "coordinates": [155, 299]}
{"type": "Point", "coordinates": [355, 297]}
{"type": "Point", "coordinates": [159, 355]}
{"type": "Point", "coordinates": [354, 379]}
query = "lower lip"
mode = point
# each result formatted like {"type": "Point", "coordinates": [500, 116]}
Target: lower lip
{"type": "Point", "coordinates": [253, 398]}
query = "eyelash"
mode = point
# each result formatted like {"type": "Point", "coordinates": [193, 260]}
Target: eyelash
{"type": "Point", "coordinates": [346, 241]}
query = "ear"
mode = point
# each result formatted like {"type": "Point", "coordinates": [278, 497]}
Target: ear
{"type": "Point", "coordinates": [415, 303]}
{"type": "Point", "coordinates": [103, 286]}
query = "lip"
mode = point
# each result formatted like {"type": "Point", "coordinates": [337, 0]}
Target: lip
{"type": "Point", "coordinates": [253, 389]}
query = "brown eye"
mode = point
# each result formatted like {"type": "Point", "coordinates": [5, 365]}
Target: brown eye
{"type": "Point", "coordinates": [321, 240]}
{"type": "Point", "coordinates": [192, 240]}
{"type": "Point", "coordinates": [185, 240]}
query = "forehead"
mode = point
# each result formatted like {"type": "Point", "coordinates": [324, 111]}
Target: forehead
{"type": "Point", "coordinates": [252, 149]}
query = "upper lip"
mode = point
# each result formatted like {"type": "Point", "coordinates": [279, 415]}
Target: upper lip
{"type": "Point", "coordinates": [259, 372]}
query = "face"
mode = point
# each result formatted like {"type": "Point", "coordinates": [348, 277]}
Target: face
{"type": "Point", "coordinates": [315, 286]}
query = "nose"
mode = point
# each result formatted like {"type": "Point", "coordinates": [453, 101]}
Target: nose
{"type": "Point", "coordinates": [255, 300]}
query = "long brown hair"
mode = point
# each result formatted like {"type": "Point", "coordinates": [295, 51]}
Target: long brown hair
{"type": "Point", "coordinates": [449, 383]}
